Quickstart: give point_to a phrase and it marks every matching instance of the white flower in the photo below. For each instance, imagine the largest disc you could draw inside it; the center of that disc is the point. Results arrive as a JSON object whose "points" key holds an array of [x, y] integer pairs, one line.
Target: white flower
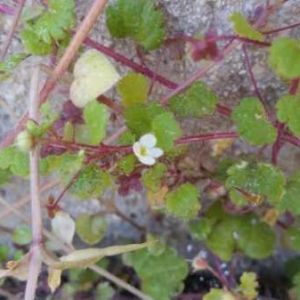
{"points": [[146, 151]]}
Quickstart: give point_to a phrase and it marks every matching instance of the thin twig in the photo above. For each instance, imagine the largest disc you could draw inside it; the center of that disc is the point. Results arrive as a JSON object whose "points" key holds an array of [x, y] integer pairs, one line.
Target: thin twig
{"points": [[198, 74], [23, 201], [12, 29], [4, 104], [36, 208], [129, 63], [281, 29], [115, 135], [206, 137], [253, 80]]}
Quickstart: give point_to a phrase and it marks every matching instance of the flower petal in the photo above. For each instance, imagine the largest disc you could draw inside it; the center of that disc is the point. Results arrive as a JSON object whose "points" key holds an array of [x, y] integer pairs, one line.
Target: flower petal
{"points": [[147, 160], [148, 140], [155, 152], [137, 149]]}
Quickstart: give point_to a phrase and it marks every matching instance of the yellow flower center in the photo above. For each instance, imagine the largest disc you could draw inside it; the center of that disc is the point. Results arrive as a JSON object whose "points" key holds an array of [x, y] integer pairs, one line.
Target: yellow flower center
{"points": [[144, 151]]}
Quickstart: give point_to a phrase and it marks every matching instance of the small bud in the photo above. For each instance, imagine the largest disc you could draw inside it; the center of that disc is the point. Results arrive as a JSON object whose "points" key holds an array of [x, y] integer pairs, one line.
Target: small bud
{"points": [[25, 141]]}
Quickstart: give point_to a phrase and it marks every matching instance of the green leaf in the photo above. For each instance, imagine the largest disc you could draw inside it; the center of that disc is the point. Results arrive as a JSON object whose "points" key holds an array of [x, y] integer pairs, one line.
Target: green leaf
{"points": [[67, 165], [200, 229], [255, 238], [22, 236], [284, 57], [166, 129], [196, 101], [248, 286], [258, 179], [244, 29], [139, 117], [105, 291], [91, 228], [167, 269], [82, 277], [18, 255], [252, 122], [32, 11], [288, 111], [4, 252], [20, 164], [293, 235], [218, 294], [56, 21], [296, 285], [290, 198], [137, 19], [7, 157], [95, 116], [90, 183], [5, 176], [51, 26], [246, 233], [127, 138], [9, 64], [34, 44], [133, 89], [220, 173], [183, 202], [221, 240], [127, 164], [151, 178]]}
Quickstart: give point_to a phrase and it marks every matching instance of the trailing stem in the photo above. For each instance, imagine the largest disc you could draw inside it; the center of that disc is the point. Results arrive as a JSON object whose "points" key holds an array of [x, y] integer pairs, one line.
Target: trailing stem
{"points": [[36, 210], [12, 29]]}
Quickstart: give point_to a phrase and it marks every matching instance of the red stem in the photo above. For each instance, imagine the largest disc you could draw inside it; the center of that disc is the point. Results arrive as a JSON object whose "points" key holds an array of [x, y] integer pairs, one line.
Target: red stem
{"points": [[291, 139], [198, 74], [253, 80], [205, 137], [142, 69], [191, 39], [130, 63], [282, 28]]}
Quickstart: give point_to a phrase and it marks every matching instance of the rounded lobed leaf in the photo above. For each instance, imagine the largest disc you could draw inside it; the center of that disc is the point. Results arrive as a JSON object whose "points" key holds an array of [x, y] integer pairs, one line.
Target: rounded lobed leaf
{"points": [[198, 100], [284, 57], [91, 228], [290, 198], [252, 122], [167, 269], [288, 111], [183, 202], [133, 89], [257, 179], [244, 29], [137, 19]]}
